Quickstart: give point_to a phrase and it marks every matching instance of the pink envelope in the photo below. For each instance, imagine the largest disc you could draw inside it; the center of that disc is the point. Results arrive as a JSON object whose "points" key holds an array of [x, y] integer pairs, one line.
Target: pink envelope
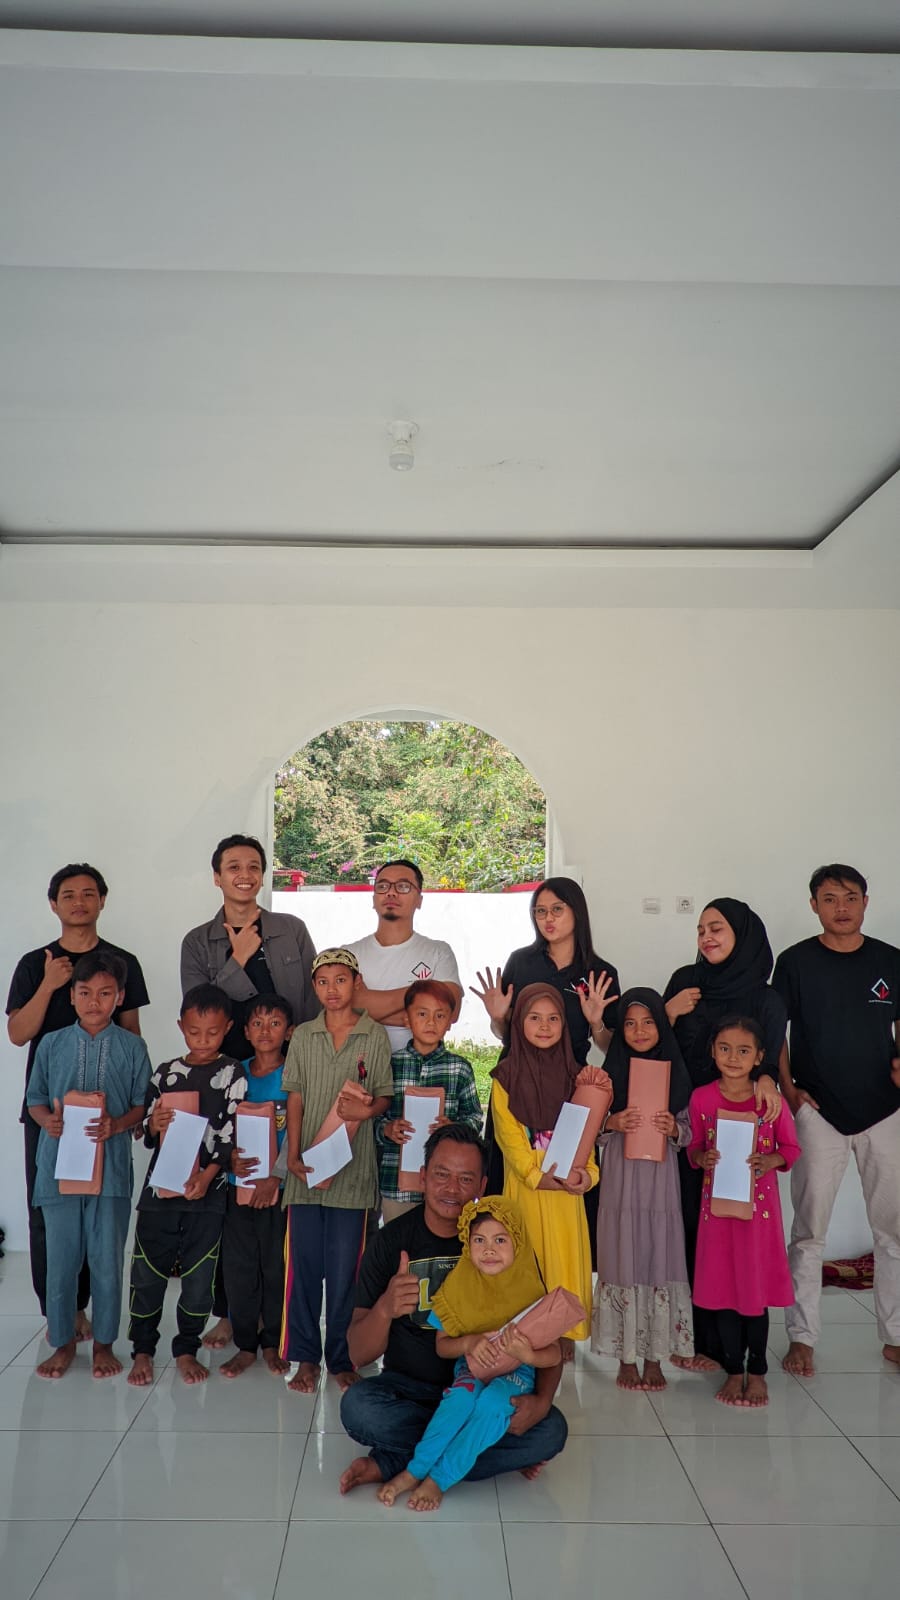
{"points": [[648, 1088], [94, 1184], [552, 1317]]}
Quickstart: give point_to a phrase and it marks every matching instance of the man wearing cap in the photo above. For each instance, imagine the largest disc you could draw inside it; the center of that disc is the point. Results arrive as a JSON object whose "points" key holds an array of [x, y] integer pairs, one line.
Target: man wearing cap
{"points": [[394, 956], [337, 1076]]}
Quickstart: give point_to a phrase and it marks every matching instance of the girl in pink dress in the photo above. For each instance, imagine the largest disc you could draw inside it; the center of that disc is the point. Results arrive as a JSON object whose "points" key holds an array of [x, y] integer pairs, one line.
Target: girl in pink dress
{"points": [[742, 1265]]}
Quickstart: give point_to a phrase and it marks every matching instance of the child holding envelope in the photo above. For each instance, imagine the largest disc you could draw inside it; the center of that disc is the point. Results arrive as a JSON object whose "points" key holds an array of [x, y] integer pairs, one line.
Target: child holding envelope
{"points": [[742, 1266], [423, 1064], [91, 1056], [253, 1236], [494, 1280], [326, 1225], [532, 1082], [185, 1229], [642, 1303]]}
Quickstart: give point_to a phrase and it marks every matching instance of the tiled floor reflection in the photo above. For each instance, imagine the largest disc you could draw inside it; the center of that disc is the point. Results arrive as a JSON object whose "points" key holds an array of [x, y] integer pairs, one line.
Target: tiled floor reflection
{"points": [[230, 1489]]}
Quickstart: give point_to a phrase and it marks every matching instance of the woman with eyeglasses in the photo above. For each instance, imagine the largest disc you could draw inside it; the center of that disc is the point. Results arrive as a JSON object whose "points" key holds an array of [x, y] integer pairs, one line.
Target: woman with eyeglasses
{"points": [[563, 955]]}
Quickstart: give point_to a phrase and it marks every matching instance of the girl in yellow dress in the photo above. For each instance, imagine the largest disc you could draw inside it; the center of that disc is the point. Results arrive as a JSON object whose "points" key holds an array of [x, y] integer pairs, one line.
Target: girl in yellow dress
{"points": [[531, 1083]]}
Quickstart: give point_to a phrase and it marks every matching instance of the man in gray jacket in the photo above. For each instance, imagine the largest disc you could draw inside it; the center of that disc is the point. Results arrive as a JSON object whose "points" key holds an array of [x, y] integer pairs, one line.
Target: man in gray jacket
{"points": [[246, 951]]}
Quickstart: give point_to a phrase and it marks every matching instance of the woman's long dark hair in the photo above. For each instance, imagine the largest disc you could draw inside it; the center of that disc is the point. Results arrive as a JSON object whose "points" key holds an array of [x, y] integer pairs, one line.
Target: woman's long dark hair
{"points": [[572, 895]]}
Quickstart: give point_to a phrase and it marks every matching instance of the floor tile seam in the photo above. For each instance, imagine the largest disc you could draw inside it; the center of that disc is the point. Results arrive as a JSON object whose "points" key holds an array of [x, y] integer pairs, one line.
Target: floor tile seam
{"points": [[104, 1469], [595, 1522], [287, 1531], [744, 1590], [300, 1467], [872, 1468], [503, 1545], [57, 1552]]}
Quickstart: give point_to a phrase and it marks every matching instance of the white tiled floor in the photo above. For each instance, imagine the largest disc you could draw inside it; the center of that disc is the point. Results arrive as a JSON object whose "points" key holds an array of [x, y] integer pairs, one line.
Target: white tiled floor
{"points": [[229, 1489]]}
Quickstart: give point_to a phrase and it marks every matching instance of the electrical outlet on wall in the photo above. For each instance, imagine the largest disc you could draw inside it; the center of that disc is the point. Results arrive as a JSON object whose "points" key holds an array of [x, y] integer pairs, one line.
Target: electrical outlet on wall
{"points": [[651, 906], [685, 904]]}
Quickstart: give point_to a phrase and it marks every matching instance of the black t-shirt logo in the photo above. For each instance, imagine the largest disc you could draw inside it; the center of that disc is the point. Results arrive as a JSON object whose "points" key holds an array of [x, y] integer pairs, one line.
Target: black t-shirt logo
{"points": [[881, 991]]}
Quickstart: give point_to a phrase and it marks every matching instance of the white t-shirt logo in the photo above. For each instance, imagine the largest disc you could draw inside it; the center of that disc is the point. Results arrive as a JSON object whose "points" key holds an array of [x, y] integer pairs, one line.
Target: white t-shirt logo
{"points": [[423, 970]]}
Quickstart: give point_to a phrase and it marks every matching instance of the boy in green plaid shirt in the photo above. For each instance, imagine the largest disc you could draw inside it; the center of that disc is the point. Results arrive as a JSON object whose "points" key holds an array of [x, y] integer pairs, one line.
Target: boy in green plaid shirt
{"points": [[424, 1064]]}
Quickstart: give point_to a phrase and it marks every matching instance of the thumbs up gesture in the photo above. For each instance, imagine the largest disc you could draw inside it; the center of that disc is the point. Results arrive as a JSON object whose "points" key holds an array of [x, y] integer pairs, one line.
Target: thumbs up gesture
{"points": [[402, 1293]]}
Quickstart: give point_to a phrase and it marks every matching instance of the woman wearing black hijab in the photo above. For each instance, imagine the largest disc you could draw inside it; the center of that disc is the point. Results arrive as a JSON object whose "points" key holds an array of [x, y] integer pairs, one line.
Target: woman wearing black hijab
{"points": [[730, 976]]}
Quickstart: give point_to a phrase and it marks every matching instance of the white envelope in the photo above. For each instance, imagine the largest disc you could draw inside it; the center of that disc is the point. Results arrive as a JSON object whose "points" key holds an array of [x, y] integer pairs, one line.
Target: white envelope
{"points": [[329, 1157], [565, 1139], [178, 1151], [75, 1152], [732, 1178]]}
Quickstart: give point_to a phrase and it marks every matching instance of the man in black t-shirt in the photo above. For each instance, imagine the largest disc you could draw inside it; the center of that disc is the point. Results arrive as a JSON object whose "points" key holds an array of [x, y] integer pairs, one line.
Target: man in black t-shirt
{"points": [[404, 1265], [841, 1080], [39, 1003]]}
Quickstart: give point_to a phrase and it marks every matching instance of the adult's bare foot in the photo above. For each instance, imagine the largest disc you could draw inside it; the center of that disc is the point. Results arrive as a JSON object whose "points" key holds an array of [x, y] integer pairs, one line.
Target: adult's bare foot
{"points": [[695, 1363], [345, 1380], [653, 1380], [389, 1491], [57, 1365], [190, 1369], [306, 1378], [533, 1472], [628, 1376], [275, 1364], [799, 1360], [106, 1364], [362, 1470], [83, 1329], [238, 1364], [756, 1390], [219, 1335], [891, 1352], [732, 1390], [427, 1497], [141, 1373]]}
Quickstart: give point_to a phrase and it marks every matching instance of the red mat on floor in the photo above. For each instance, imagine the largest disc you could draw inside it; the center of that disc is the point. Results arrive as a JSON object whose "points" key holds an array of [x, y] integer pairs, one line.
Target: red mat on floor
{"points": [[858, 1274]]}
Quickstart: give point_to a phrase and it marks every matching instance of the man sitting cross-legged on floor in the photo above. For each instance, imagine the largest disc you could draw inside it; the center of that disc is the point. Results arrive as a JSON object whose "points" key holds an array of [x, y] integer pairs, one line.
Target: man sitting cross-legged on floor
{"points": [[404, 1265]]}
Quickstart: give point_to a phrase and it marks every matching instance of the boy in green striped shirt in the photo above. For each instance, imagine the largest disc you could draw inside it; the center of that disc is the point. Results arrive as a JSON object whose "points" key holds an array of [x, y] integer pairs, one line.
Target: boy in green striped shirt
{"points": [[424, 1064]]}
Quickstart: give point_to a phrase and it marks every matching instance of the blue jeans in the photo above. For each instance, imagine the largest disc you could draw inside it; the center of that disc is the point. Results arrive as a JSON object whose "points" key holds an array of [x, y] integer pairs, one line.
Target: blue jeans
{"points": [[390, 1412]]}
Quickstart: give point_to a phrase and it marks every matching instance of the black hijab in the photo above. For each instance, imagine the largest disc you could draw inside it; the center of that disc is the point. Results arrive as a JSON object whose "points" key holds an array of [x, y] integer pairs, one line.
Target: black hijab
{"points": [[748, 967], [619, 1054]]}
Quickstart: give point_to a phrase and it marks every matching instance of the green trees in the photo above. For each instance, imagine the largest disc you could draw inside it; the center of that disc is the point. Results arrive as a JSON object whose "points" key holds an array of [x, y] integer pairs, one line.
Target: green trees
{"points": [[444, 793]]}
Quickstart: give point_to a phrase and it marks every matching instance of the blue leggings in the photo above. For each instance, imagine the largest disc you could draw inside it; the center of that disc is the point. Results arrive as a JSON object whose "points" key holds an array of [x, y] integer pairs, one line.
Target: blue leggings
{"points": [[470, 1418]]}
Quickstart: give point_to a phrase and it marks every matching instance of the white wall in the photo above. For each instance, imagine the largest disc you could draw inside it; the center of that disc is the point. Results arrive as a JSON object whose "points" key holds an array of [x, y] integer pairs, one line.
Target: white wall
{"points": [[683, 752]]}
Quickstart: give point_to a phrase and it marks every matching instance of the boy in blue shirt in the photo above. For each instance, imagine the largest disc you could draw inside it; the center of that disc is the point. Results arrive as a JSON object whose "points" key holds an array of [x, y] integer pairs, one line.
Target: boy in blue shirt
{"points": [[93, 1054], [253, 1238]]}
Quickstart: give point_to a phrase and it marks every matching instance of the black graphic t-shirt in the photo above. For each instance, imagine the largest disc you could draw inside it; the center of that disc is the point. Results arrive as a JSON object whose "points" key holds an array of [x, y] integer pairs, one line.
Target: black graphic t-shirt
{"points": [[411, 1342], [842, 1007]]}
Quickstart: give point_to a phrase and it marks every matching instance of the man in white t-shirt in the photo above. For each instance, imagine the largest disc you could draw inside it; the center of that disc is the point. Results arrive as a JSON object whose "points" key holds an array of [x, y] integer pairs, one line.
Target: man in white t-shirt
{"points": [[394, 956]]}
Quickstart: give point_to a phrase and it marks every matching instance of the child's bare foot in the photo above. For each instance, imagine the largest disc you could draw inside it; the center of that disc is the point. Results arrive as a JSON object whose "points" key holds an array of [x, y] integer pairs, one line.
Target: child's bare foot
{"points": [[362, 1470], [238, 1364], [653, 1377], [275, 1364], [695, 1363], [345, 1380], [427, 1497], [891, 1352], [533, 1472], [83, 1329], [141, 1373], [190, 1369], [567, 1348], [306, 1378], [628, 1376], [756, 1390], [106, 1365], [57, 1365], [799, 1360], [219, 1335], [389, 1491], [732, 1390]]}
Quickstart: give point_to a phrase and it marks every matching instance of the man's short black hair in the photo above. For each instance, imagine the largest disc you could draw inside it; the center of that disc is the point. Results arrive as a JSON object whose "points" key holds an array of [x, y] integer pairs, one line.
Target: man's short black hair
{"points": [[838, 872], [76, 869], [236, 841], [271, 1002], [96, 961], [457, 1133], [206, 997], [402, 862]]}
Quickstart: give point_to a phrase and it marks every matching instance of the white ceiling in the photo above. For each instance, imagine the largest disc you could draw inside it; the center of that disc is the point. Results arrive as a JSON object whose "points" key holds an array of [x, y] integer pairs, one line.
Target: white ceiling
{"points": [[631, 297]]}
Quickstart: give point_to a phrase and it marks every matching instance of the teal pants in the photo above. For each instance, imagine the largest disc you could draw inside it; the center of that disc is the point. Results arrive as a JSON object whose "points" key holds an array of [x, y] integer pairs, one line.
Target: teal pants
{"points": [[92, 1227]]}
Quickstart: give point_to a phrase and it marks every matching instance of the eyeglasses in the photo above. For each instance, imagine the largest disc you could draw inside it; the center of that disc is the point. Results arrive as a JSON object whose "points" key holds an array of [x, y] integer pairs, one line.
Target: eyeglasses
{"points": [[403, 887]]}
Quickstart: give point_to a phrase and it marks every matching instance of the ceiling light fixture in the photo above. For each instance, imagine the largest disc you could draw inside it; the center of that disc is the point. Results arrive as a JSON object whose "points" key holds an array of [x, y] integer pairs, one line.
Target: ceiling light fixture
{"points": [[402, 457]]}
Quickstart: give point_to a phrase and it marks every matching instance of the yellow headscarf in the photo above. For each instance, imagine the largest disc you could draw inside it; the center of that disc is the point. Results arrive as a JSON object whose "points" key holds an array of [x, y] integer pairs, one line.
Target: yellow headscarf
{"points": [[470, 1302]]}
